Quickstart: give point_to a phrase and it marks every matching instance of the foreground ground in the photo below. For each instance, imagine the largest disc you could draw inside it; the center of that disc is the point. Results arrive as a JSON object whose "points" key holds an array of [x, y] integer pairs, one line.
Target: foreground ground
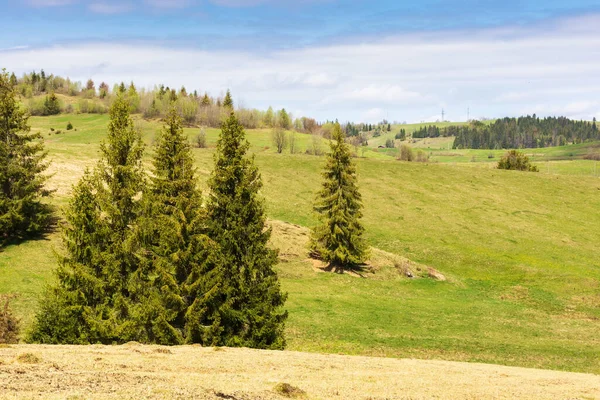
{"points": [[134, 371]]}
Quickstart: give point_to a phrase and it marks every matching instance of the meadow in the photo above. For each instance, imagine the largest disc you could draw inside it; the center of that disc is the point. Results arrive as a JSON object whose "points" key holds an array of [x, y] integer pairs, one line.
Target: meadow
{"points": [[519, 250]]}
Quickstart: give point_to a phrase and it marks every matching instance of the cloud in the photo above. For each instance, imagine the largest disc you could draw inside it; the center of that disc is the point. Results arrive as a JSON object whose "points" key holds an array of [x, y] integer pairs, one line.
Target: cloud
{"points": [[50, 3], [110, 8], [494, 73], [169, 3], [254, 3]]}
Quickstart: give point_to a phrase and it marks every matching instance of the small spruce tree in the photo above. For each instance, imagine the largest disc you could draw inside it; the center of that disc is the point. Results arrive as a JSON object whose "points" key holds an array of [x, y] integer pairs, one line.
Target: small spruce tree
{"points": [[51, 105], [228, 102], [338, 239], [22, 164], [248, 300]]}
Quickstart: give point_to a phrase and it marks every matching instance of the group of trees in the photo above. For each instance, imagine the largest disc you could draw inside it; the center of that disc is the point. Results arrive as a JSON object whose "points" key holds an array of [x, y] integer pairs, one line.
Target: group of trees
{"points": [[144, 259], [195, 108], [507, 133], [523, 132]]}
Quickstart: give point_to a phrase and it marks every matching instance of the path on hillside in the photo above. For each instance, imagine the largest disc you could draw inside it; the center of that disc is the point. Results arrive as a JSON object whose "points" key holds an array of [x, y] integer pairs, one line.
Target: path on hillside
{"points": [[134, 371]]}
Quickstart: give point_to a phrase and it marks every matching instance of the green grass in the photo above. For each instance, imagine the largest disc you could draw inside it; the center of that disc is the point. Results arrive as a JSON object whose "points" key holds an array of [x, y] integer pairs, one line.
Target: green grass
{"points": [[520, 250]]}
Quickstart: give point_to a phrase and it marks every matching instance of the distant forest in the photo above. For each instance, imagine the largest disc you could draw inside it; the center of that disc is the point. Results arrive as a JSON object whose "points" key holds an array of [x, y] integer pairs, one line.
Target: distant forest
{"points": [[510, 133]]}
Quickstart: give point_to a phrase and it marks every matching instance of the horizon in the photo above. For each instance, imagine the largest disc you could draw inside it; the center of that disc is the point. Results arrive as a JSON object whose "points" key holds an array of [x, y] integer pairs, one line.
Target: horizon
{"points": [[346, 60]]}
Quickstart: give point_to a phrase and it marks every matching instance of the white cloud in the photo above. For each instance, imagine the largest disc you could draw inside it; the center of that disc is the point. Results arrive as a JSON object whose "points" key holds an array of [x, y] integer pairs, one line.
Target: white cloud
{"points": [[110, 8], [548, 70], [50, 3]]}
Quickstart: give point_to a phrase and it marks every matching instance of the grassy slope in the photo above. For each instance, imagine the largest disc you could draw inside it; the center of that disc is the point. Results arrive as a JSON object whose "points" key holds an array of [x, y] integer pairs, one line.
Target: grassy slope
{"points": [[520, 250]]}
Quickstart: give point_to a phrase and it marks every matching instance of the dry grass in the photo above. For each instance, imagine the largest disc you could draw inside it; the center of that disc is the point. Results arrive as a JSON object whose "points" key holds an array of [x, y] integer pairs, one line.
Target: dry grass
{"points": [[136, 371]]}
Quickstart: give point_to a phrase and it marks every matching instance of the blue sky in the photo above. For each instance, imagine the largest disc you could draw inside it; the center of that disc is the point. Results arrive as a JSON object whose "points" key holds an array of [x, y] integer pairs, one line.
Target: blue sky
{"points": [[351, 60]]}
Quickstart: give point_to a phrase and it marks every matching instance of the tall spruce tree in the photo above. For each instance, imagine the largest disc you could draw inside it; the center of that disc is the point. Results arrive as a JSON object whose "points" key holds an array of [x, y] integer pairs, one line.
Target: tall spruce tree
{"points": [[175, 255], [247, 296], [338, 239], [22, 163], [91, 302]]}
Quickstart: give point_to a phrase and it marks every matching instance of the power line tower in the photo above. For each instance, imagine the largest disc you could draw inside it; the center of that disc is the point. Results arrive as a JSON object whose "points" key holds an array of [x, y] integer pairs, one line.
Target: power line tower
{"points": [[442, 115], [468, 114]]}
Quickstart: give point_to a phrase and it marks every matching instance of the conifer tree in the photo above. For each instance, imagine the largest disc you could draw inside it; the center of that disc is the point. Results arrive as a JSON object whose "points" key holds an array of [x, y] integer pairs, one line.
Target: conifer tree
{"points": [[91, 302], [51, 105], [175, 255], [247, 294], [338, 240], [22, 155], [228, 102], [284, 119]]}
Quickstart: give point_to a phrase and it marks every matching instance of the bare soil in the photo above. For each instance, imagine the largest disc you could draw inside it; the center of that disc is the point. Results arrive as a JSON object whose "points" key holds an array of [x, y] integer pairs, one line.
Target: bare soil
{"points": [[135, 371]]}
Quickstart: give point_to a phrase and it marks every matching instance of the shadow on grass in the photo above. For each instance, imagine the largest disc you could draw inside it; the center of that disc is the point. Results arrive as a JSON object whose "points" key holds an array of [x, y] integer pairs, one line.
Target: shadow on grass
{"points": [[356, 269], [51, 226]]}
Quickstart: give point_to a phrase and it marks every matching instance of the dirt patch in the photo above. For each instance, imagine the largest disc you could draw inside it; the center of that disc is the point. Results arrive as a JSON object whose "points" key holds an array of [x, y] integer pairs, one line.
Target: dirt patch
{"points": [[193, 372]]}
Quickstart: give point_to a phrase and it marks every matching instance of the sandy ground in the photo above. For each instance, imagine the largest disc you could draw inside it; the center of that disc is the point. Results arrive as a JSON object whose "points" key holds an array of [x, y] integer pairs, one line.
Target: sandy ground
{"points": [[134, 371]]}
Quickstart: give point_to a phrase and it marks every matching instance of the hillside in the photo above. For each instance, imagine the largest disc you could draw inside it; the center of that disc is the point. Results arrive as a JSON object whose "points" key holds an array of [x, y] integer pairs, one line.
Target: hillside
{"points": [[519, 251], [133, 371]]}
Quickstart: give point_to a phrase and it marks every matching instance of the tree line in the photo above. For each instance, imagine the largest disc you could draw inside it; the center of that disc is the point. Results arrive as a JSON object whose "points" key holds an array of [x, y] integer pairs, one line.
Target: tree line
{"points": [[40, 89], [145, 258], [522, 132], [526, 132]]}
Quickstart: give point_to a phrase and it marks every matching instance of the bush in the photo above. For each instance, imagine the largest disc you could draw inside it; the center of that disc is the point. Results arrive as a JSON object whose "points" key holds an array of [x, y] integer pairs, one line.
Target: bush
{"points": [[201, 140], [389, 143], [592, 156], [516, 160], [406, 153], [69, 126], [9, 324], [421, 156]]}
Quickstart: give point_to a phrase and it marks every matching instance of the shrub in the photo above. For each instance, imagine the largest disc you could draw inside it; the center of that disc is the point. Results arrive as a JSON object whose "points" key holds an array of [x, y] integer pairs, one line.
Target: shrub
{"points": [[592, 156], [406, 153], [516, 160], [201, 140], [491, 155], [69, 126], [9, 324], [389, 143], [279, 139], [421, 156]]}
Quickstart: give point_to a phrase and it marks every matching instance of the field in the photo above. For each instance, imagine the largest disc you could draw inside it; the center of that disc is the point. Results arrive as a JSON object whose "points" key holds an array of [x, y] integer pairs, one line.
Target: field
{"points": [[134, 371], [519, 251]]}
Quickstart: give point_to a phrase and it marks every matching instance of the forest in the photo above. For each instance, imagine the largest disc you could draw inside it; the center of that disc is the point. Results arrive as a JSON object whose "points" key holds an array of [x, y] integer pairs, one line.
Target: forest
{"points": [[523, 132]]}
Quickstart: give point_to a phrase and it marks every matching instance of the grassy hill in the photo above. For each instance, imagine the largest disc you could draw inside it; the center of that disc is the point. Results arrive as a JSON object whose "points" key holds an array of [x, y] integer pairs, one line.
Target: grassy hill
{"points": [[519, 251]]}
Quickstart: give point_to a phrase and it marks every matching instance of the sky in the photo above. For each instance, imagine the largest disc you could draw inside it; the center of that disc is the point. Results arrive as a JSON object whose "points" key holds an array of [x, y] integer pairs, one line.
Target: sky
{"points": [[351, 60]]}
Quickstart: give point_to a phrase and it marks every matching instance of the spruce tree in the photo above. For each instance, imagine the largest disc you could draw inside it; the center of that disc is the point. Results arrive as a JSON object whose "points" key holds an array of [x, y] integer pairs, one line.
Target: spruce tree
{"points": [[175, 255], [228, 102], [91, 302], [338, 239], [247, 297], [22, 163]]}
